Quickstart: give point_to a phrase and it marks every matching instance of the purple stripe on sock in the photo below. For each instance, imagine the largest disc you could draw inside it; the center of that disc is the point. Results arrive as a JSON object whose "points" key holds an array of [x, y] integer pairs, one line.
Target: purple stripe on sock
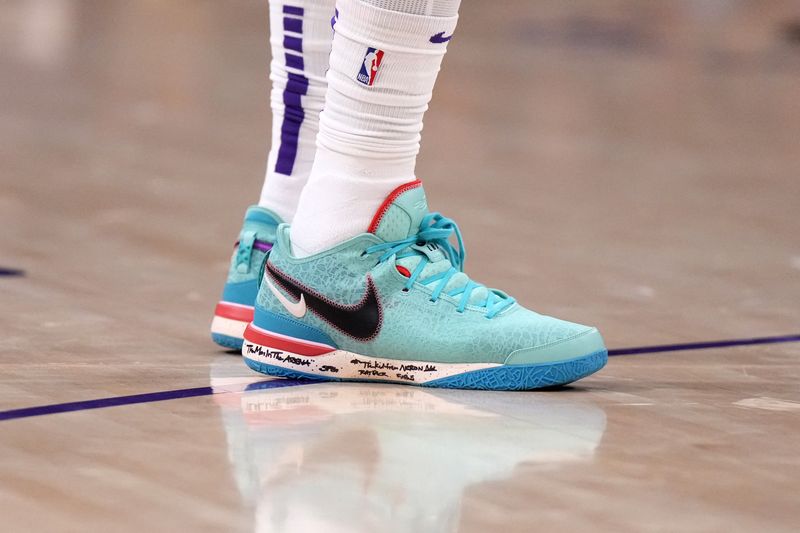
{"points": [[293, 10], [262, 246], [293, 43], [294, 61], [293, 116], [296, 88], [293, 25], [297, 84]]}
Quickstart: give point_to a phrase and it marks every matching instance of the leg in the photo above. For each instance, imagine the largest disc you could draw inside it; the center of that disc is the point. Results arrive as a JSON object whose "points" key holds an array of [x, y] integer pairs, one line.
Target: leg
{"points": [[300, 38], [367, 284], [384, 62], [301, 41]]}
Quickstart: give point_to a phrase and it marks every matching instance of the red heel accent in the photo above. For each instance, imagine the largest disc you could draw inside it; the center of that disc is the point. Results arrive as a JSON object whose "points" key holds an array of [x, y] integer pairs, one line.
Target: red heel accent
{"points": [[242, 313], [277, 341], [389, 200]]}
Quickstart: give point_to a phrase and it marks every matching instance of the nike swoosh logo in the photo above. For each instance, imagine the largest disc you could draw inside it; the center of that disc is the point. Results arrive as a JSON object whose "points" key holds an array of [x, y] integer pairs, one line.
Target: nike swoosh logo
{"points": [[297, 309], [361, 320], [440, 38]]}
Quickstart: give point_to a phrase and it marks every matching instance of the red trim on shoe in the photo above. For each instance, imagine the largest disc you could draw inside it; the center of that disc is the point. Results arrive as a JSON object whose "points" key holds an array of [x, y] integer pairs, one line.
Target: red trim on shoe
{"points": [[376, 220], [242, 313], [403, 270], [277, 341]]}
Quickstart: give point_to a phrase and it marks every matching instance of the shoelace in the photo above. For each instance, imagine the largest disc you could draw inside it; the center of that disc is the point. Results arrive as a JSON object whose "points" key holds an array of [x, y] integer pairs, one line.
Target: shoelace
{"points": [[437, 229]]}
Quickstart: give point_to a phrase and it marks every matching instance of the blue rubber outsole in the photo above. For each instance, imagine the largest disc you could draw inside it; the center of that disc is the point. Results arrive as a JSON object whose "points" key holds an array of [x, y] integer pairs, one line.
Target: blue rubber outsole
{"points": [[227, 341], [506, 377]]}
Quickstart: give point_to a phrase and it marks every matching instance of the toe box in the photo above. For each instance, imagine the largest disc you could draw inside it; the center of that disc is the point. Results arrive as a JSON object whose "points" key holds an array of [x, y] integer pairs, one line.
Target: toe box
{"points": [[571, 341]]}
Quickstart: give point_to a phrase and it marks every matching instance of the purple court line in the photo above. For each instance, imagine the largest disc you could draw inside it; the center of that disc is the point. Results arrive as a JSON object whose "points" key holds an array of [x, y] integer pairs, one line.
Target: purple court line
{"points": [[149, 397], [161, 396], [704, 345], [5, 271]]}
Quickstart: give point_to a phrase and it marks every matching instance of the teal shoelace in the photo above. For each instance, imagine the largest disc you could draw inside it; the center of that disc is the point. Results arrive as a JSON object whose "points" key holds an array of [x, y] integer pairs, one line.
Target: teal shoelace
{"points": [[436, 229]]}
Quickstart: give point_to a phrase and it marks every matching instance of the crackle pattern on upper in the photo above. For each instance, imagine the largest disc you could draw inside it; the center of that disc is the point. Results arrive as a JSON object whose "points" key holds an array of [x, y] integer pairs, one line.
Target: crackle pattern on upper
{"points": [[413, 327], [395, 224]]}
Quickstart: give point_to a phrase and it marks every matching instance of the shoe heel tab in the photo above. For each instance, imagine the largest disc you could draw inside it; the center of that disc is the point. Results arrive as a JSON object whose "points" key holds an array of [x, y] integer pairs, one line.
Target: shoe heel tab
{"points": [[261, 215], [283, 239], [261, 221]]}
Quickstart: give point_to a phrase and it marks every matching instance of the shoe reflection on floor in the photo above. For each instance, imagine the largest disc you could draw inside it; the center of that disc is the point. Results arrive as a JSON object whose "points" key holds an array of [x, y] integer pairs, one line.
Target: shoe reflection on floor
{"points": [[371, 457]]}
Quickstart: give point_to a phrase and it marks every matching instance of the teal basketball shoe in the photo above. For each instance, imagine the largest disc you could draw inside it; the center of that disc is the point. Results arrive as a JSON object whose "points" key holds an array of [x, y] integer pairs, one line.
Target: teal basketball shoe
{"points": [[235, 309], [394, 305]]}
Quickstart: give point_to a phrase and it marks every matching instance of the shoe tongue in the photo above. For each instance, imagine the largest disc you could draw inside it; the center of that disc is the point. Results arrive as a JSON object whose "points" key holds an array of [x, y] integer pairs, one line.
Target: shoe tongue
{"points": [[401, 213], [399, 217]]}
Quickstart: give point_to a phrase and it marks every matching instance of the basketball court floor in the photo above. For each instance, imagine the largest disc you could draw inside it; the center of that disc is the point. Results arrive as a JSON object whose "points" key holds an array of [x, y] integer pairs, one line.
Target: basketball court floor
{"points": [[630, 165]]}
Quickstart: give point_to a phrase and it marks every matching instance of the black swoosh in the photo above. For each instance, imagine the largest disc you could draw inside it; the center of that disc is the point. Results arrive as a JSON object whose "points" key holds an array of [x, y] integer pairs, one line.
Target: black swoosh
{"points": [[362, 320]]}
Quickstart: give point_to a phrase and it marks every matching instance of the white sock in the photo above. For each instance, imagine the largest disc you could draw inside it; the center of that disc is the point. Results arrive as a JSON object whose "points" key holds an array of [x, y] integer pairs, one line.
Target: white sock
{"points": [[300, 38], [383, 67]]}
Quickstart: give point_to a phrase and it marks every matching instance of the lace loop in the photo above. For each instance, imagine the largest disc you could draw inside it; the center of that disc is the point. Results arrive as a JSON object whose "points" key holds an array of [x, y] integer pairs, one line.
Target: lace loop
{"points": [[437, 229]]}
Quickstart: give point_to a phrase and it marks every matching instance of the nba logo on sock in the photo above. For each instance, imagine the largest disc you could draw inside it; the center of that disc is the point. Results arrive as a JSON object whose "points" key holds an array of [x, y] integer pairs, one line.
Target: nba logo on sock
{"points": [[369, 68]]}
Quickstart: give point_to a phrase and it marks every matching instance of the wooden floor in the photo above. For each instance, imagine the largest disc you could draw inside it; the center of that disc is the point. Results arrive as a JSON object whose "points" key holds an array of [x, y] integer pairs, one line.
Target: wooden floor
{"points": [[632, 165]]}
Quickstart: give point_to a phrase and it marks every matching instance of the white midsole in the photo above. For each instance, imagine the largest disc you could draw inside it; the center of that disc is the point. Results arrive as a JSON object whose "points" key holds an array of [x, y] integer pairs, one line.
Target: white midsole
{"points": [[342, 364], [228, 326]]}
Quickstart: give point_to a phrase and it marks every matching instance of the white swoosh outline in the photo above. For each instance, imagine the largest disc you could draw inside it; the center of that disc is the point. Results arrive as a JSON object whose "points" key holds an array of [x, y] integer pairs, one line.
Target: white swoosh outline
{"points": [[297, 309]]}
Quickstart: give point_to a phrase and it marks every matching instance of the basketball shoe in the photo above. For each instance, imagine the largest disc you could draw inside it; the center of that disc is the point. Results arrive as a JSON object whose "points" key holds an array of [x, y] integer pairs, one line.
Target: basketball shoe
{"points": [[393, 305], [235, 309]]}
